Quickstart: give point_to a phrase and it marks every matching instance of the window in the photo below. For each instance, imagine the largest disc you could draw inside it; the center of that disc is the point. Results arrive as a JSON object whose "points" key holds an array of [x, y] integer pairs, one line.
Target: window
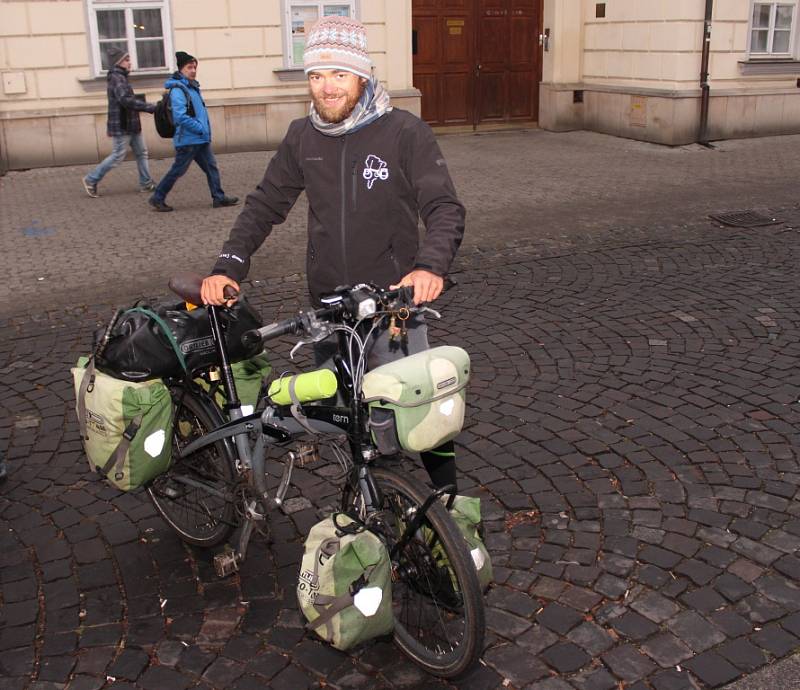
{"points": [[772, 29], [139, 27], [301, 15]]}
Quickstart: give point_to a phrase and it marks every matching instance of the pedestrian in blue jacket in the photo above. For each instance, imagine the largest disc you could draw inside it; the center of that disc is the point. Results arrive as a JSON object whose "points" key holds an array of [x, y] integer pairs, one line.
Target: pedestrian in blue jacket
{"points": [[123, 125], [192, 138]]}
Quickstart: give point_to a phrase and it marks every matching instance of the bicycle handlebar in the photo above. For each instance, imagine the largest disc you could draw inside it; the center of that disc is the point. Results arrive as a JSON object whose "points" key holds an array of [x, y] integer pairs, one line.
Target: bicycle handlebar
{"points": [[348, 302]]}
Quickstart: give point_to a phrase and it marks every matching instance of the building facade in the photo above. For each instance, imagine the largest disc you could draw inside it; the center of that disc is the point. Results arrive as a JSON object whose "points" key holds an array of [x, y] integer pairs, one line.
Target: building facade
{"points": [[52, 66], [633, 68], [625, 67]]}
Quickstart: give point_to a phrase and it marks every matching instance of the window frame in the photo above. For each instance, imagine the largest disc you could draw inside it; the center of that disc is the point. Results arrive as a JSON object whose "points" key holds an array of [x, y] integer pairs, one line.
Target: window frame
{"points": [[128, 6], [769, 54], [355, 7]]}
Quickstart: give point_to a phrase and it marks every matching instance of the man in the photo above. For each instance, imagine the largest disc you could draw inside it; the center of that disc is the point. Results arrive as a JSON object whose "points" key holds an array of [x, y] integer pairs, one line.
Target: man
{"points": [[369, 172], [192, 138], [123, 125]]}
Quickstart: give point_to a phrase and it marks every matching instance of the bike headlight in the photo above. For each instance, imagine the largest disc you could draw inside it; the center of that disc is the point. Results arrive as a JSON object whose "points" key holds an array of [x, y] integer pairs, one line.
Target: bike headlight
{"points": [[367, 307]]}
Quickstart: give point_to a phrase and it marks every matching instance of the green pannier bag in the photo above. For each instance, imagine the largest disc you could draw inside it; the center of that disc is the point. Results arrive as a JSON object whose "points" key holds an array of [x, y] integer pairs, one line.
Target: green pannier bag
{"points": [[344, 588], [126, 426], [248, 375], [466, 513], [417, 403]]}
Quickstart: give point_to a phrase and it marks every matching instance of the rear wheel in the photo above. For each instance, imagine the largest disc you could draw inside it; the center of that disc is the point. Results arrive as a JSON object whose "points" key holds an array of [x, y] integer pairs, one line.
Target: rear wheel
{"points": [[190, 496], [437, 601]]}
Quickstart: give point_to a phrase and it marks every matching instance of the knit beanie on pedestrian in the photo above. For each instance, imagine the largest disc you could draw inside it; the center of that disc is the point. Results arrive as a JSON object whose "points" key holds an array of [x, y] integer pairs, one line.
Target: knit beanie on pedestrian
{"points": [[337, 43], [184, 59], [116, 55]]}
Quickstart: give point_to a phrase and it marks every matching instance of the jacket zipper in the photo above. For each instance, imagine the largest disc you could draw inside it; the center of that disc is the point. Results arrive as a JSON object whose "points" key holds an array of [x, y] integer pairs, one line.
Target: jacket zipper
{"points": [[344, 209], [355, 185]]}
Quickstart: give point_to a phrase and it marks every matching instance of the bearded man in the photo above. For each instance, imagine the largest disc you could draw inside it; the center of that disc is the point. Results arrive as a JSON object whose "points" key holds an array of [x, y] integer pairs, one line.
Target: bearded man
{"points": [[370, 172]]}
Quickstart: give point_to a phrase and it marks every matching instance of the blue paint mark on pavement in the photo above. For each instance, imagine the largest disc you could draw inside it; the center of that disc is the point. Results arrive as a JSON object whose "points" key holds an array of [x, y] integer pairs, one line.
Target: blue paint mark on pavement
{"points": [[36, 230]]}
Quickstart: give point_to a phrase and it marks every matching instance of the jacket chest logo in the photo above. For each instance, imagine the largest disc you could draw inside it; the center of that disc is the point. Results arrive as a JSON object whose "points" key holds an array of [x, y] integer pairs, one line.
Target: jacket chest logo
{"points": [[374, 169]]}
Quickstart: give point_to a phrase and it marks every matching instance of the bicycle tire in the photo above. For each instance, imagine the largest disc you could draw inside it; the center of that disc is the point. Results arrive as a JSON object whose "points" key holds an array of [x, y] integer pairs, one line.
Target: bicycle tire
{"points": [[197, 516], [424, 623]]}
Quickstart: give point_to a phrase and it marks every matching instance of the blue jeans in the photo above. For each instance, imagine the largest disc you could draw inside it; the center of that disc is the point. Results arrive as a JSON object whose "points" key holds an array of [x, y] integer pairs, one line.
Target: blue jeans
{"points": [[117, 155], [184, 155]]}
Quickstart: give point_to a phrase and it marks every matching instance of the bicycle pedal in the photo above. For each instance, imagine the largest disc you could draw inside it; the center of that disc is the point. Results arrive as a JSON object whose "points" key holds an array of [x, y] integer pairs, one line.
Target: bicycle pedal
{"points": [[226, 563], [307, 452]]}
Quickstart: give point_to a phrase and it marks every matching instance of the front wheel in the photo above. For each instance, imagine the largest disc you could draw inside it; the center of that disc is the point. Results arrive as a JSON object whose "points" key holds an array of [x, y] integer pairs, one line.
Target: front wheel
{"points": [[190, 495], [436, 597]]}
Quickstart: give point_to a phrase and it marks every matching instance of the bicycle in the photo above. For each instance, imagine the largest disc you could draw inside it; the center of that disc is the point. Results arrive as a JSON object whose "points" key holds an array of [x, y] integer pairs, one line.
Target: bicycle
{"points": [[217, 479]]}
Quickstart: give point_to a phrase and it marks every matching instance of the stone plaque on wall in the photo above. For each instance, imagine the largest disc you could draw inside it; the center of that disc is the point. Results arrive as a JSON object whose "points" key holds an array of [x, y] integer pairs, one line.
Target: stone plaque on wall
{"points": [[638, 113]]}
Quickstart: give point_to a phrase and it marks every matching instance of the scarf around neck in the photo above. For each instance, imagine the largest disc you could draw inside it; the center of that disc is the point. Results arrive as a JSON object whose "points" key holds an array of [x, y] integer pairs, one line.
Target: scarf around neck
{"points": [[373, 103]]}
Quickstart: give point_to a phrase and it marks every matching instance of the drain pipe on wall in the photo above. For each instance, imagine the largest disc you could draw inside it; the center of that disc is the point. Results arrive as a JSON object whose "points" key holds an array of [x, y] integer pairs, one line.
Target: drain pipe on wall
{"points": [[704, 86]]}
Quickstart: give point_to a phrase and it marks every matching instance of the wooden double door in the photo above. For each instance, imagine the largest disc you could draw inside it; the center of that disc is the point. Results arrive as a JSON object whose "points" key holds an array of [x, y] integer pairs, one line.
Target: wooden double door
{"points": [[477, 61]]}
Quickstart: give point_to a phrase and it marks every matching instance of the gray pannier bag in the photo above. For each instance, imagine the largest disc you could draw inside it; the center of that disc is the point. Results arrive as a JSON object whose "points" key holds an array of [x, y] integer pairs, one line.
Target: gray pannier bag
{"points": [[417, 403], [345, 584]]}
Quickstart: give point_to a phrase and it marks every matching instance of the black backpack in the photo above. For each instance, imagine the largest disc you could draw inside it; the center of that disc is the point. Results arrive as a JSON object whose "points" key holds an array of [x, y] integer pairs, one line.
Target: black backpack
{"points": [[162, 116]]}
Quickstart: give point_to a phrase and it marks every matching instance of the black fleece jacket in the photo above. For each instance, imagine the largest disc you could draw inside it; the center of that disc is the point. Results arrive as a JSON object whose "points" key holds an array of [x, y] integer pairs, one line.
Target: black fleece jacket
{"points": [[366, 192]]}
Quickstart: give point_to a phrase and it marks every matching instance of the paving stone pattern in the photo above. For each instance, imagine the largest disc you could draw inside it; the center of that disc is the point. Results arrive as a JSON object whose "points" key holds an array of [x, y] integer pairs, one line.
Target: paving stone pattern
{"points": [[632, 430]]}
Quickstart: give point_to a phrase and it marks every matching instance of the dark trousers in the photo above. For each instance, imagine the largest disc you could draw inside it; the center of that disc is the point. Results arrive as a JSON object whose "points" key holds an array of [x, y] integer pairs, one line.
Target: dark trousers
{"points": [[184, 155]]}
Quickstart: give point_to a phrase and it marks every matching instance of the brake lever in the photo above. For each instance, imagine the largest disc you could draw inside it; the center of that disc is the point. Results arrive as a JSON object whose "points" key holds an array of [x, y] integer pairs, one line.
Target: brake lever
{"points": [[428, 310], [315, 329]]}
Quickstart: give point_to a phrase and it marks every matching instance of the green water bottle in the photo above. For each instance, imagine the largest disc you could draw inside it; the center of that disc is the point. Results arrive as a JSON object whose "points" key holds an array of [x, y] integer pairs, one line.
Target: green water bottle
{"points": [[313, 385]]}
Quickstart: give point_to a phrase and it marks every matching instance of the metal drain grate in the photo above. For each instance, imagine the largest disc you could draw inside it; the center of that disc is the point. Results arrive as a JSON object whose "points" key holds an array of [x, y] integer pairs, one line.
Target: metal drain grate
{"points": [[743, 219]]}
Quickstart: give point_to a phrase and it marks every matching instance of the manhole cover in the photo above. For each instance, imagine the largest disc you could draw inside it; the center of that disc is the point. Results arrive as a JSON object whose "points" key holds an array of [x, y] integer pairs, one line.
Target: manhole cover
{"points": [[744, 219]]}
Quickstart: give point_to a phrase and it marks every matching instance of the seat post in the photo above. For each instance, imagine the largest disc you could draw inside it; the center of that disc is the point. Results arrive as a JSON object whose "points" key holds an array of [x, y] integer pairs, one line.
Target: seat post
{"points": [[222, 354]]}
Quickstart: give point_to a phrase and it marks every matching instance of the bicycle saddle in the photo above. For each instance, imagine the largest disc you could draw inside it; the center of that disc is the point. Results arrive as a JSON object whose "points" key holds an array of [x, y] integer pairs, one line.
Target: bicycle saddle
{"points": [[187, 286]]}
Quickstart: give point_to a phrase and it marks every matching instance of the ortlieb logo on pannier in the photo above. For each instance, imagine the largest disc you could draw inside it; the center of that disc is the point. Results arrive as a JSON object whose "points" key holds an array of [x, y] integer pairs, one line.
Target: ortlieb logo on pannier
{"points": [[126, 427], [417, 403], [344, 585]]}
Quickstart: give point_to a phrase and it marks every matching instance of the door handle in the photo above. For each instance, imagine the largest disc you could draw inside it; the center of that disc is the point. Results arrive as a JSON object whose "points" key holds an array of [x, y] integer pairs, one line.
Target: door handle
{"points": [[544, 40]]}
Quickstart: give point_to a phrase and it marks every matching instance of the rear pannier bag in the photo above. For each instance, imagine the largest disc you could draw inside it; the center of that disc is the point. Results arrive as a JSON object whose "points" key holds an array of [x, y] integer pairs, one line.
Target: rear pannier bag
{"points": [[126, 427], [164, 341], [417, 403], [344, 588]]}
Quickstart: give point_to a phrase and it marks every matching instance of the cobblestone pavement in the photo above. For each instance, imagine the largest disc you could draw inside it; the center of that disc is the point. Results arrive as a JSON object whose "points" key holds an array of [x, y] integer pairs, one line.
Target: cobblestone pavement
{"points": [[632, 429]]}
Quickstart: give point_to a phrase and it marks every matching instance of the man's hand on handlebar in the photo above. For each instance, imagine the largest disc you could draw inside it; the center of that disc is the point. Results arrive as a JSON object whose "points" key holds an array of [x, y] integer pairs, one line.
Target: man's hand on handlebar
{"points": [[427, 286], [219, 290]]}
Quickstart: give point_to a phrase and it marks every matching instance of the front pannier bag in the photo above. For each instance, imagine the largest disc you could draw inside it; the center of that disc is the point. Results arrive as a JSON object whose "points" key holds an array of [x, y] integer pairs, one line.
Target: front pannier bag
{"points": [[417, 403], [344, 588], [126, 427]]}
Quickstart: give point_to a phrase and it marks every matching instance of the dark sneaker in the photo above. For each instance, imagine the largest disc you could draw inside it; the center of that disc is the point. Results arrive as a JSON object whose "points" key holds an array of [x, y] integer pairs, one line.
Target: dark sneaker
{"points": [[91, 189], [149, 187], [226, 201], [159, 205]]}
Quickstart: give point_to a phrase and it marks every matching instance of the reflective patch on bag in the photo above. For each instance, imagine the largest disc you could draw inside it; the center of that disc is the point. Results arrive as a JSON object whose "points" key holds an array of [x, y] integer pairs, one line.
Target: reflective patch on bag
{"points": [[477, 558], [154, 443], [368, 600]]}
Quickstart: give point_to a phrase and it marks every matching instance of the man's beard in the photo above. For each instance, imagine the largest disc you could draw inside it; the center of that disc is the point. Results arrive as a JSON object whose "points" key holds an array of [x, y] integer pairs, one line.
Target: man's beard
{"points": [[335, 116]]}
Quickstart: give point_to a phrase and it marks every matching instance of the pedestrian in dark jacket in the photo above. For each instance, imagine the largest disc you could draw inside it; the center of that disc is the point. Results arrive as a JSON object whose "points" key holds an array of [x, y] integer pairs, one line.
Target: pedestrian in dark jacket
{"points": [[192, 138], [123, 125], [370, 172]]}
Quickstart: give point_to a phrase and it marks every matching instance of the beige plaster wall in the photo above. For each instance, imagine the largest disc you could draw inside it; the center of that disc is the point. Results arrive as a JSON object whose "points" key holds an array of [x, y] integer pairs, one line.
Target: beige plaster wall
{"points": [[637, 72], [239, 44], [52, 109]]}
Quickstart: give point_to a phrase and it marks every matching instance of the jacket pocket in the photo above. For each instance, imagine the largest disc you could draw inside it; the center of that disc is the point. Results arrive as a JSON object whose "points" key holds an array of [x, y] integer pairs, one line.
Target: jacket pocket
{"points": [[395, 263]]}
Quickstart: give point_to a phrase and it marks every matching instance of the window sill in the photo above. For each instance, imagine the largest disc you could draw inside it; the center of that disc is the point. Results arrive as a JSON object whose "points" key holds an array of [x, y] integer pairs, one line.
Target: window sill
{"points": [[762, 66], [290, 74], [141, 79]]}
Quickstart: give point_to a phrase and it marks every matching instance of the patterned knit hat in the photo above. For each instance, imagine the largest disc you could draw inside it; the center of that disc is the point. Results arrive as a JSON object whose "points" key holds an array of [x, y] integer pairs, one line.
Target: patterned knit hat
{"points": [[338, 43]]}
